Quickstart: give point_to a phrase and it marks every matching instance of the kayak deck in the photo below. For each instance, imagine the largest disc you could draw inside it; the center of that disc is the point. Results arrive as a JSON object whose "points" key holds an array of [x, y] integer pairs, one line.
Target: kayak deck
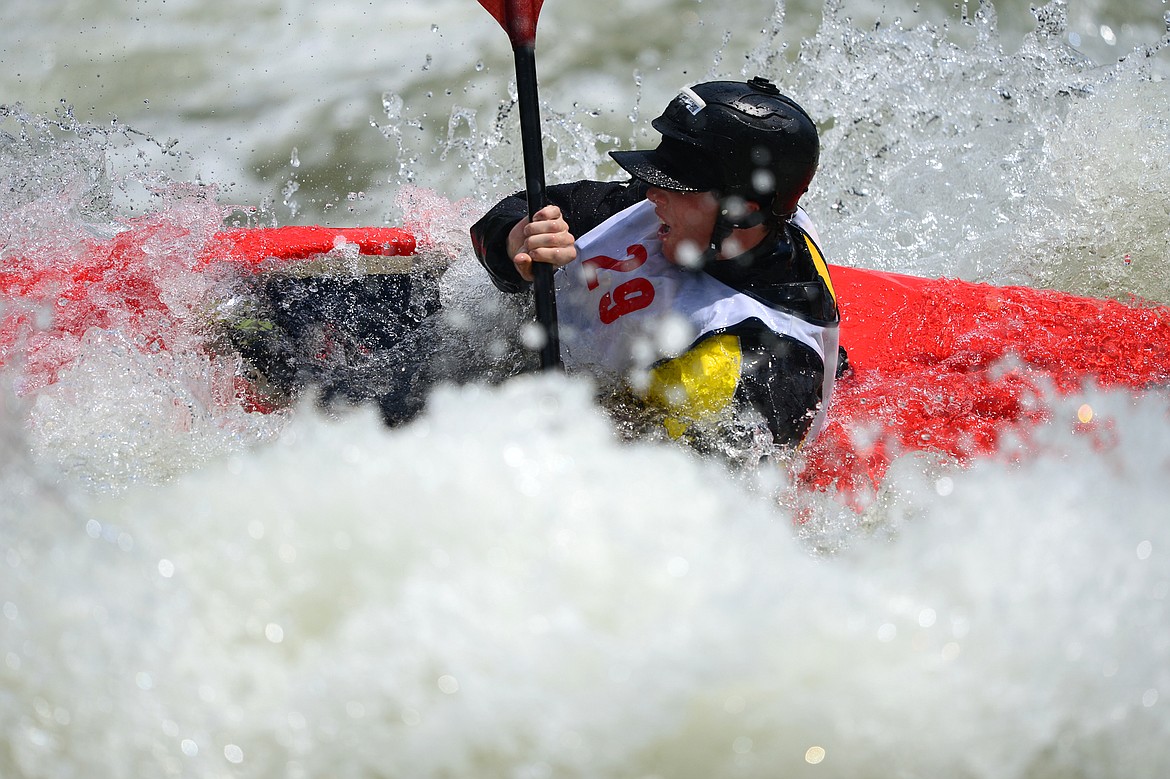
{"points": [[961, 368]]}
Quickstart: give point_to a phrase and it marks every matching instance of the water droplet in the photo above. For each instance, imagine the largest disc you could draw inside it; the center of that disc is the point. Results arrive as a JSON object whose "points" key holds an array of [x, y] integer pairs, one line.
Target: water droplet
{"points": [[532, 335]]}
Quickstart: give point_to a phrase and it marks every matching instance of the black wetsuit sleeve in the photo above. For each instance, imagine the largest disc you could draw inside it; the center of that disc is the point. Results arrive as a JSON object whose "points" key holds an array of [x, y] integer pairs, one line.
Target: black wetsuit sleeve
{"points": [[585, 204], [781, 378]]}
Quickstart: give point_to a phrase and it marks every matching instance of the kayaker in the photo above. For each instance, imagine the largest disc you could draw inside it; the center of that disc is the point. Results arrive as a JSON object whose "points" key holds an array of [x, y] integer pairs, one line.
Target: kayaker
{"points": [[708, 240]]}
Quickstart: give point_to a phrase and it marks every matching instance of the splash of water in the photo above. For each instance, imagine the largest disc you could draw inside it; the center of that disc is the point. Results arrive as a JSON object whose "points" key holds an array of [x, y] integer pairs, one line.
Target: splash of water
{"points": [[358, 610], [1033, 166], [107, 317], [502, 588]]}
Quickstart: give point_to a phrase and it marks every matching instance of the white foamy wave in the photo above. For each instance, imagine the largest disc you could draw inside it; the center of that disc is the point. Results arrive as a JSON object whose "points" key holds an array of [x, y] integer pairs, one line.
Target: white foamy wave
{"points": [[119, 416], [976, 160], [500, 588], [536, 599]]}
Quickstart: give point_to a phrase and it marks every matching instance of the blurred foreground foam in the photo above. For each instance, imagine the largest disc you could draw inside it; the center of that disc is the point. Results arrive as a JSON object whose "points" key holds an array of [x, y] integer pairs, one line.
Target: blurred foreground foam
{"points": [[502, 589]]}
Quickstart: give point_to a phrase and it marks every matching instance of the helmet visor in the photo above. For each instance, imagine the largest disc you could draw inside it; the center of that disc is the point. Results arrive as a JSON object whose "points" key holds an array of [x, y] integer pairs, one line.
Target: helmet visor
{"points": [[674, 165]]}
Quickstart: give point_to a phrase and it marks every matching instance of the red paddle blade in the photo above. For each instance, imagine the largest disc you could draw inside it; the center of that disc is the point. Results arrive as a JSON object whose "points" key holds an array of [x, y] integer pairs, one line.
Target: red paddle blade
{"points": [[517, 17]]}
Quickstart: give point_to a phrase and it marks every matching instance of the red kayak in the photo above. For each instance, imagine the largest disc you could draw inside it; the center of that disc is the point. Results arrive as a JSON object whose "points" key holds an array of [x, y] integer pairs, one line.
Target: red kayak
{"points": [[936, 365], [962, 368], [121, 283]]}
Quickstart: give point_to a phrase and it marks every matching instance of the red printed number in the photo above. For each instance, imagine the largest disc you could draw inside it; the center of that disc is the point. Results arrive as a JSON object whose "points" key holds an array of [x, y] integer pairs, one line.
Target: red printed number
{"points": [[601, 262], [627, 297]]}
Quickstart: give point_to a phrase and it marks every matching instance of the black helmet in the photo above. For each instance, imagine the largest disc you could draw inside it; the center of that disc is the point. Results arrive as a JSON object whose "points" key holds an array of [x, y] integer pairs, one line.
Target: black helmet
{"points": [[740, 139]]}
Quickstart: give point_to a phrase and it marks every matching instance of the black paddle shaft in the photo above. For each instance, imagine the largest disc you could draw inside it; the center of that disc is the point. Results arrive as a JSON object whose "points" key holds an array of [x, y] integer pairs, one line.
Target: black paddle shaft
{"points": [[530, 137]]}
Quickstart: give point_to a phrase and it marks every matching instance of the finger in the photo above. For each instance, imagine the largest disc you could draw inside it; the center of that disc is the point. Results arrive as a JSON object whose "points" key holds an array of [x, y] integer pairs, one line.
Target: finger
{"points": [[548, 220], [547, 241], [549, 213], [556, 256], [548, 227], [523, 263]]}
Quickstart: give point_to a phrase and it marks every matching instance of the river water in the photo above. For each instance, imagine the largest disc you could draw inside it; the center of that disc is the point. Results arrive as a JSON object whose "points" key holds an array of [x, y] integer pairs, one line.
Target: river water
{"points": [[502, 588]]}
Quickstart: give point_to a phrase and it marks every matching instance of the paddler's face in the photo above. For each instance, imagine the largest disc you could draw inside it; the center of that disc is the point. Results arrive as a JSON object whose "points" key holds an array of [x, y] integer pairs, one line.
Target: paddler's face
{"points": [[688, 219]]}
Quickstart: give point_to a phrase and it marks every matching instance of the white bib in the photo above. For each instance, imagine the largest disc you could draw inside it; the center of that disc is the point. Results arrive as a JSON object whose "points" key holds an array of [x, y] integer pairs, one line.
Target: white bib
{"points": [[622, 306]]}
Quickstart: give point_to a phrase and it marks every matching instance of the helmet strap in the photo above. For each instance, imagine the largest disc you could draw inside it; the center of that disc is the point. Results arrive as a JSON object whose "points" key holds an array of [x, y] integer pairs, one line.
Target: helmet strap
{"points": [[720, 233], [730, 218], [733, 209]]}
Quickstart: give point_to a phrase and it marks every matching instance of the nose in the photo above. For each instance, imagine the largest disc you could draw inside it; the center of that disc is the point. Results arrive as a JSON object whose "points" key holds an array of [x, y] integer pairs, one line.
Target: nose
{"points": [[656, 195]]}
